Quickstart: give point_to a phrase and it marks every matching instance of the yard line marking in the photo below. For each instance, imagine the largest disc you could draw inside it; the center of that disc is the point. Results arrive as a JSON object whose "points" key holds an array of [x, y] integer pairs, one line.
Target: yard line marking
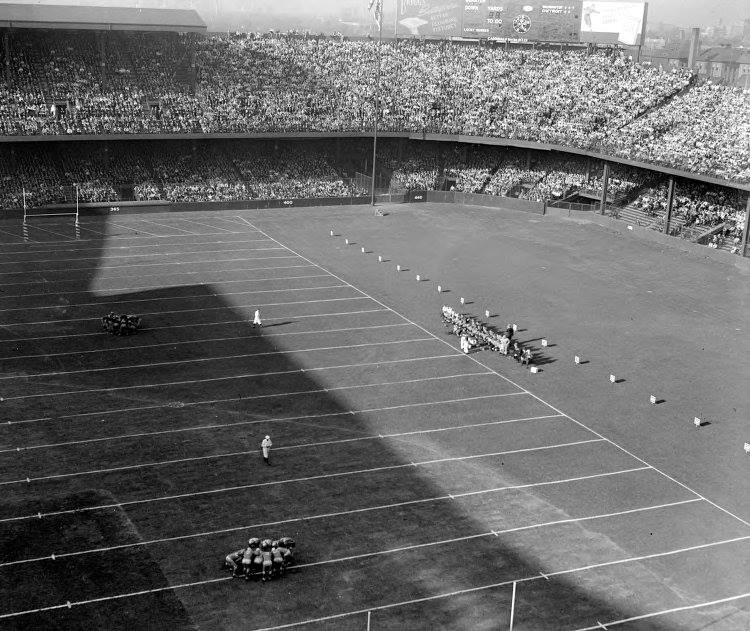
{"points": [[512, 605], [124, 247], [394, 605], [196, 360], [188, 297], [130, 238], [215, 339], [513, 383], [233, 377], [205, 225], [177, 286], [196, 325], [70, 271], [242, 487], [200, 428], [20, 238], [435, 499], [163, 225], [340, 441], [137, 232], [644, 616], [150, 313], [108, 278], [102, 235]]}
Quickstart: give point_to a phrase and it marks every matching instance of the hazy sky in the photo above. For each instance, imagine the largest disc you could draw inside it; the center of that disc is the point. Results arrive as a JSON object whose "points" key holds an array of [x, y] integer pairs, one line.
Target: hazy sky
{"points": [[680, 12]]}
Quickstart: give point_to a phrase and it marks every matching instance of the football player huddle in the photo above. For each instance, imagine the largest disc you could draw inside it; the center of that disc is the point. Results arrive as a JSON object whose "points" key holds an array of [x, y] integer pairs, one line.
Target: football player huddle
{"points": [[116, 324], [266, 558]]}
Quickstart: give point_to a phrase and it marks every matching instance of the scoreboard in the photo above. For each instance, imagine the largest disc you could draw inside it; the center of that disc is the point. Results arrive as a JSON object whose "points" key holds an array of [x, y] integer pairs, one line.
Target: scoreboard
{"points": [[563, 21], [522, 20]]}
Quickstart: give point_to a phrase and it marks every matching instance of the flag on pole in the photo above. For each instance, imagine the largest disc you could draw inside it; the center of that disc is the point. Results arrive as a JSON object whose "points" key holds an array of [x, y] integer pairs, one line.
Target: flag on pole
{"points": [[376, 9]]}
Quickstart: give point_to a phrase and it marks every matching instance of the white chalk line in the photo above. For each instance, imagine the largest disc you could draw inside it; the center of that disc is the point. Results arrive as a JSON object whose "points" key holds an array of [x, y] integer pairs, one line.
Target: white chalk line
{"points": [[242, 487], [355, 511], [510, 381], [213, 295], [664, 612], [266, 334], [199, 223], [184, 382], [196, 325], [199, 360], [114, 296], [21, 241], [160, 275], [88, 249], [136, 231], [110, 257], [71, 270], [215, 426], [199, 310], [394, 605], [163, 225], [507, 583], [340, 441]]}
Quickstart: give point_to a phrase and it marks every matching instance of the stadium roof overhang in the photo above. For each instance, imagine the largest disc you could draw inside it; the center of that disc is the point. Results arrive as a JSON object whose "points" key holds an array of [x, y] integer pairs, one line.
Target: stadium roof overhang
{"points": [[62, 17]]}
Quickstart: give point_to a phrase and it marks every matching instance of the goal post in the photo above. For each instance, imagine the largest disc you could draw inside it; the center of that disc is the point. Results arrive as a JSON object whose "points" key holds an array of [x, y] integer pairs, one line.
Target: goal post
{"points": [[31, 212]]}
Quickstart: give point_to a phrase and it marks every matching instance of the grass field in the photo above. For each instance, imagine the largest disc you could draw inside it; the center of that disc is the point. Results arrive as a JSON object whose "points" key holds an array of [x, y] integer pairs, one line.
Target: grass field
{"points": [[425, 488]]}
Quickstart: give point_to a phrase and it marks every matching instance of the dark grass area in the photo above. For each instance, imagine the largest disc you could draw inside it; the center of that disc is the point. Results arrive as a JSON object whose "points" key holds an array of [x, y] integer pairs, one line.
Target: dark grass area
{"points": [[417, 482]]}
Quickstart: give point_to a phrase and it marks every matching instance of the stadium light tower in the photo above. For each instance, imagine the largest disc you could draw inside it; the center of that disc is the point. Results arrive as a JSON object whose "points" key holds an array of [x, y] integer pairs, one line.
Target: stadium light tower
{"points": [[376, 7]]}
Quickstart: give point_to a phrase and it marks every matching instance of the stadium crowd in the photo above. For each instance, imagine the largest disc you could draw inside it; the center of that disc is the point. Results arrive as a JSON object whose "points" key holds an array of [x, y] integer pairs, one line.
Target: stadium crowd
{"points": [[285, 83], [223, 170]]}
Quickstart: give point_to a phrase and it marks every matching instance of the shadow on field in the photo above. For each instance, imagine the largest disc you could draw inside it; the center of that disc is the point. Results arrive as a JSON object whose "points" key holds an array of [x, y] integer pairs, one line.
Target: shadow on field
{"points": [[163, 446]]}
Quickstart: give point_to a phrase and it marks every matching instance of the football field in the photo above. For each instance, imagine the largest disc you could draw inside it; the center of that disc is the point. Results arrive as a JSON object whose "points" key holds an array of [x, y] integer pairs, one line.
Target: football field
{"points": [[425, 488]]}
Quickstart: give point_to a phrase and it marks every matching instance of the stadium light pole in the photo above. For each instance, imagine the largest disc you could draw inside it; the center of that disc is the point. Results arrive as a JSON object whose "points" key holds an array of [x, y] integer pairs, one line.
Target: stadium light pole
{"points": [[378, 4]]}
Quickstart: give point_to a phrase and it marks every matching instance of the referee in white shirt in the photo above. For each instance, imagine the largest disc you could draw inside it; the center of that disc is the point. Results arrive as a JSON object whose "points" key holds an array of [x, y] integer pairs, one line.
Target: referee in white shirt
{"points": [[265, 447]]}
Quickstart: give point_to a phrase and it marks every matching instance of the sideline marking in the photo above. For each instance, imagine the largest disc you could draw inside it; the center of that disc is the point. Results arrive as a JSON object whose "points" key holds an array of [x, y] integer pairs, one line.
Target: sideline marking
{"points": [[240, 487], [510, 381]]}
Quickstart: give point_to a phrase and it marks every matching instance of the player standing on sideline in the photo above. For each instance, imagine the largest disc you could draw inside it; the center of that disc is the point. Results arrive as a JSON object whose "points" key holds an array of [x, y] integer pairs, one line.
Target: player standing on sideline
{"points": [[265, 447], [256, 319]]}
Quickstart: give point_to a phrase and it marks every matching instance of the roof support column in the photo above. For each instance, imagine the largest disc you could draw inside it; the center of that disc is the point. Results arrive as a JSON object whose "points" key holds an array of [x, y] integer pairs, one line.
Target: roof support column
{"points": [[746, 229], [605, 187], [670, 206], [103, 54], [6, 51]]}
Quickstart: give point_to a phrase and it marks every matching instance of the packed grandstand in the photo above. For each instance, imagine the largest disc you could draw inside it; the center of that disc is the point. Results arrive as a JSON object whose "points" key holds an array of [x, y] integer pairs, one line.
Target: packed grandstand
{"points": [[168, 83]]}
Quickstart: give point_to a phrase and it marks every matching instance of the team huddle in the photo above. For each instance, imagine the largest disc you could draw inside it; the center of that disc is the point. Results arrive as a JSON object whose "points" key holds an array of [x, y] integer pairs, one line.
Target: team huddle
{"points": [[116, 324], [265, 558]]}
